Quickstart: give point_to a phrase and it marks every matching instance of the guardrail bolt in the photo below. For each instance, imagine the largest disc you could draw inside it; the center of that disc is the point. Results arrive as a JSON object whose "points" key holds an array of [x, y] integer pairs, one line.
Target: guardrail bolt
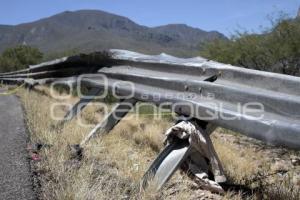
{"points": [[186, 88]]}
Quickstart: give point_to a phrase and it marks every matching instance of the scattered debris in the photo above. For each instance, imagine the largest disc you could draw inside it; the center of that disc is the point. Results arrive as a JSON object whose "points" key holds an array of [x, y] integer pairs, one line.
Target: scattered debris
{"points": [[35, 157], [280, 165], [36, 147], [295, 160], [34, 150]]}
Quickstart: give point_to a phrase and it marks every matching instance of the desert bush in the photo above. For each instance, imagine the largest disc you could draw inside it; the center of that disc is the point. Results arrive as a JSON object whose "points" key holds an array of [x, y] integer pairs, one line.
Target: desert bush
{"points": [[19, 57], [276, 50]]}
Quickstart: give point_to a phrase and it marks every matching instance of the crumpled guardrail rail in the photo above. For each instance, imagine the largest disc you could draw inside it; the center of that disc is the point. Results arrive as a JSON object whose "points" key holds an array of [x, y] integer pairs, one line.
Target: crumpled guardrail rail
{"points": [[174, 79]]}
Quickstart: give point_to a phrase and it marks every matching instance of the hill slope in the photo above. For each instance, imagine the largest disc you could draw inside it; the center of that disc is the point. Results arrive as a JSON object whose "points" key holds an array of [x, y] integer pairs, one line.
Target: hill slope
{"points": [[90, 30]]}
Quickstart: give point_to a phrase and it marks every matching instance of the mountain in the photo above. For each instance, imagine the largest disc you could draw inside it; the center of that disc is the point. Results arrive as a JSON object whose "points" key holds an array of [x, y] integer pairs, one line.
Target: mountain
{"points": [[90, 30]]}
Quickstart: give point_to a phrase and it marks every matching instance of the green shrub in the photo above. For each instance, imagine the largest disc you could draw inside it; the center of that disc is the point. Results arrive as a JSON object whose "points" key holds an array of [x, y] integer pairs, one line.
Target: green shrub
{"points": [[19, 57], [276, 50]]}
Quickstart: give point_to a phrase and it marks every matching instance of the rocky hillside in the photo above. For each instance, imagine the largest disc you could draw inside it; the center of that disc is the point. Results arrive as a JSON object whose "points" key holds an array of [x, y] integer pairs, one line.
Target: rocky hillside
{"points": [[89, 30]]}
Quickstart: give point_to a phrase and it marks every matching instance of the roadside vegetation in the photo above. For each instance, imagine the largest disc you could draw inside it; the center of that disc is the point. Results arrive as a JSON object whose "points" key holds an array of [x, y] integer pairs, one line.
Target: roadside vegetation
{"points": [[19, 57], [112, 165], [276, 50]]}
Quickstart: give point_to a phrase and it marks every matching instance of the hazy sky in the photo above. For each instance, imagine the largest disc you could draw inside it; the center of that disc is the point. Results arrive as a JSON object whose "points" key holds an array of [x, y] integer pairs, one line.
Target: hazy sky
{"points": [[221, 15]]}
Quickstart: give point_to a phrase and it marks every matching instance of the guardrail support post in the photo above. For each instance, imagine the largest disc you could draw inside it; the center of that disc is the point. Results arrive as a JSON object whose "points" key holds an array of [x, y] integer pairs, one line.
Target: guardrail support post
{"points": [[79, 106], [190, 148], [112, 119]]}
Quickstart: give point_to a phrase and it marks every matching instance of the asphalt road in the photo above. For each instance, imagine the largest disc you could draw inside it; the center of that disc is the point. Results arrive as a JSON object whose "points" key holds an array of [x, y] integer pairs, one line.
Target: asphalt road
{"points": [[15, 175]]}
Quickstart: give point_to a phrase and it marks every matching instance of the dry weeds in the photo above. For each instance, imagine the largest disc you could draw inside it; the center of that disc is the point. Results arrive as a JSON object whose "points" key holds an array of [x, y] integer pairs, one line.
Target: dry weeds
{"points": [[113, 164]]}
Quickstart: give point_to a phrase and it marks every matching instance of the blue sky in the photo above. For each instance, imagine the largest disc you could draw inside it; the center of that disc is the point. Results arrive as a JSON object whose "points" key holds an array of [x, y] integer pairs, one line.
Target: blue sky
{"points": [[221, 15]]}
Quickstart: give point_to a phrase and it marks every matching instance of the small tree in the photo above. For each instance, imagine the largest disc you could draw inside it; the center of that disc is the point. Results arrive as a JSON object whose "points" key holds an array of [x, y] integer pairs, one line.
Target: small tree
{"points": [[19, 57], [276, 50]]}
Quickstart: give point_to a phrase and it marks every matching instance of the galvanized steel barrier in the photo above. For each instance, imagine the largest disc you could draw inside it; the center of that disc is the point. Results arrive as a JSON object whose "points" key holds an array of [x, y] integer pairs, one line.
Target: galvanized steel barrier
{"points": [[196, 88]]}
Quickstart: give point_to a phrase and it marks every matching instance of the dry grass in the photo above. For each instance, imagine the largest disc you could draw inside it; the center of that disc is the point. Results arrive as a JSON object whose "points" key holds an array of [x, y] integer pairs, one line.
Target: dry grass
{"points": [[240, 163], [113, 164], [253, 169]]}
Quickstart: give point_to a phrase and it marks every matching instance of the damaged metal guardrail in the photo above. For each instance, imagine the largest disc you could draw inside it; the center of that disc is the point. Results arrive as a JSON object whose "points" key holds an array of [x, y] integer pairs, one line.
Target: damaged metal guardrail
{"points": [[262, 105]]}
